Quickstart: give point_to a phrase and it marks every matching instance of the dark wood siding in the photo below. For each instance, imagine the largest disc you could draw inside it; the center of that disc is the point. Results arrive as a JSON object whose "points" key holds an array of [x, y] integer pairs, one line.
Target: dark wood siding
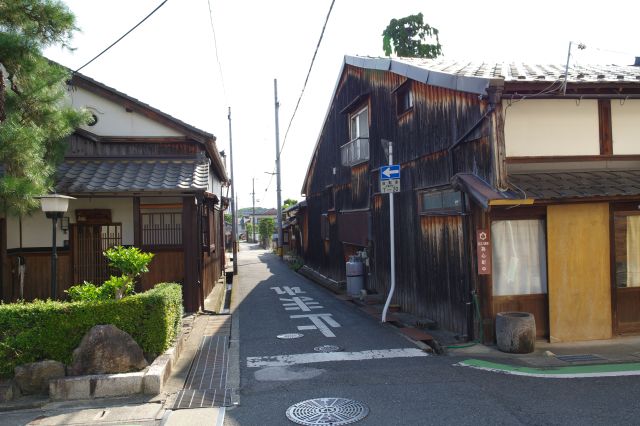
{"points": [[443, 134], [37, 281], [166, 266], [80, 146]]}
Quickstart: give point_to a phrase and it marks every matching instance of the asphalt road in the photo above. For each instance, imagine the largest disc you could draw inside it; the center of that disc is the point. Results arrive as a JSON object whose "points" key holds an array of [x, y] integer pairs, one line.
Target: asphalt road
{"points": [[410, 390]]}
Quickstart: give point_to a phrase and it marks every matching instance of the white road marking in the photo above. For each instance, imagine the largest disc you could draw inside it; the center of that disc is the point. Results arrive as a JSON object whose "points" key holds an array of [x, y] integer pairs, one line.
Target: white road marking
{"points": [[291, 291], [304, 304], [319, 321], [311, 358]]}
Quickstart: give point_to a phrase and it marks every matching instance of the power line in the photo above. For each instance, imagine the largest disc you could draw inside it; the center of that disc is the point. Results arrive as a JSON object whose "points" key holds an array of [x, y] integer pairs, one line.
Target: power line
{"points": [[284, 141], [215, 45], [123, 36], [304, 86]]}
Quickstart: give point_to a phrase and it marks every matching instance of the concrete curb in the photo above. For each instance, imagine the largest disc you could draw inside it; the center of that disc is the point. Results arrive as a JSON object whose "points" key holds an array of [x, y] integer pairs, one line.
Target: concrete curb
{"points": [[149, 381], [334, 286]]}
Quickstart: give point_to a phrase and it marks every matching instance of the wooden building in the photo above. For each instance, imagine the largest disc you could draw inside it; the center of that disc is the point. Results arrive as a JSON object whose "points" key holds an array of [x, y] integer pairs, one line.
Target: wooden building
{"points": [[140, 178], [292, 226], [520, 191]]}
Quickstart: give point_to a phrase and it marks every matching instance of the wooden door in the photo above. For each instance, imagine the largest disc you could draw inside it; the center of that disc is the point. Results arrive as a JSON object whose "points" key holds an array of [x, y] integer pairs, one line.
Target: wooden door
{"points": [[90, 241], [626, 271]]}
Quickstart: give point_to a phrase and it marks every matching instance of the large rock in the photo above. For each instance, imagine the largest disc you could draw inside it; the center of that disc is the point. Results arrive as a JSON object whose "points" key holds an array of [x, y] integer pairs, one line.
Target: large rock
{"points": [[106, 349], [33, 378]]}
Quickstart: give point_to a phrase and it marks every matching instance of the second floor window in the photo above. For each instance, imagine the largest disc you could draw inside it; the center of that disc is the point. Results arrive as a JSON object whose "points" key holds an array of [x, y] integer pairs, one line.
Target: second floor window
{"points": [[359, 124], [357, 149], [404, 99]]}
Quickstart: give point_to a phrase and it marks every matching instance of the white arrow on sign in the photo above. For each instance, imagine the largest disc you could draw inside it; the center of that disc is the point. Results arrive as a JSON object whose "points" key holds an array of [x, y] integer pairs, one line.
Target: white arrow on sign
{"points": [[387, 172]]}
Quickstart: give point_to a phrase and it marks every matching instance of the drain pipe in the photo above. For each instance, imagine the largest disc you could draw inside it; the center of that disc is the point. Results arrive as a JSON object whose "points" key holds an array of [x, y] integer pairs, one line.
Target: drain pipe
{"points": [[392, 245]]}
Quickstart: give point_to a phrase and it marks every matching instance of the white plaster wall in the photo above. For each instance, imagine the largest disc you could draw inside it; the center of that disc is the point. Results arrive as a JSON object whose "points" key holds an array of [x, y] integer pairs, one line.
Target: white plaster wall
{"points": [[121, 212], [550, 127], [36, 229], [36, 232], [625, 123], [114, 120]]}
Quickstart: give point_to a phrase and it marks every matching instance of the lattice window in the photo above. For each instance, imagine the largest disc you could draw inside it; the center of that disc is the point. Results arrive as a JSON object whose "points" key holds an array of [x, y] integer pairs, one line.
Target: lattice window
{"points": [[161, 228]]}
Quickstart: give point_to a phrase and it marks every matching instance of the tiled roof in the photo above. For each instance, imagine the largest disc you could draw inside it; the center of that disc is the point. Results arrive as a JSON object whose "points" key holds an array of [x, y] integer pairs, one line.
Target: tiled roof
{"points": [[529, 72], [562, 185], [476, 77], [82, 176]]}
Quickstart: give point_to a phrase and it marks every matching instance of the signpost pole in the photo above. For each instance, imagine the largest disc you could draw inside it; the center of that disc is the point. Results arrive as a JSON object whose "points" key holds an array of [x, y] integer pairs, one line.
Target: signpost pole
{"points": [[392, 245]]}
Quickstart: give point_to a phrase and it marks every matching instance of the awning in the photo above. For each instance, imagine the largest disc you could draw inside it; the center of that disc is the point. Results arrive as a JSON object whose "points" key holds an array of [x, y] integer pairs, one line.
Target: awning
{"points": [[484, 194]]}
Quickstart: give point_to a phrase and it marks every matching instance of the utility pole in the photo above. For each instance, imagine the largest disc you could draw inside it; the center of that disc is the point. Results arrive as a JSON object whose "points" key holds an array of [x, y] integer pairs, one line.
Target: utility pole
{"points": [[253, 216], [279, 217], [234, 223]]}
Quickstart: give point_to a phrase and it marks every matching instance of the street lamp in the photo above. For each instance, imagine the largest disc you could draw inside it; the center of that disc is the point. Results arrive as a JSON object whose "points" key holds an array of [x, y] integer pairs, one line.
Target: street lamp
{"points": [[54, 206]]}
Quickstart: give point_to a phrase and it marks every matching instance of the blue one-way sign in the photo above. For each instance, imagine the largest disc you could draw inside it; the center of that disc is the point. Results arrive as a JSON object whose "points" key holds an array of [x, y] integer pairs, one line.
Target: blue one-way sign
{"points": [[390, 172]]}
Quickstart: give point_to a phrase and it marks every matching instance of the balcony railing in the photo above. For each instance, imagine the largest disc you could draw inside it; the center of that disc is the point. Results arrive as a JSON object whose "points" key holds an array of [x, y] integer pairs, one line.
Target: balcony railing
{"points": [[355, 152]]}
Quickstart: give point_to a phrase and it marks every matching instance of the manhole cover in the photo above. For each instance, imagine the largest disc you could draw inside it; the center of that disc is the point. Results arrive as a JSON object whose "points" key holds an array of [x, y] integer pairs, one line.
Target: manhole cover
{"points": [[327, 348], [579, 358], [290, 336], [327, 411]]}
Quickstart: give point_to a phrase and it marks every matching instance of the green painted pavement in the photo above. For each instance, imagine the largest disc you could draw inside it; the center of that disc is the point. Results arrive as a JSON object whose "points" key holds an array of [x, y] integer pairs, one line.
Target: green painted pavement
{"points": [[574, 371]]}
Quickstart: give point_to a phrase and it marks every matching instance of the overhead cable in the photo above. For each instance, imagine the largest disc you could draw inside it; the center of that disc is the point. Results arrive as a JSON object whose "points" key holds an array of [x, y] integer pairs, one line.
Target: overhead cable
{"points": [[304, 86], [215, 45], [123, 36], [284, 141]]}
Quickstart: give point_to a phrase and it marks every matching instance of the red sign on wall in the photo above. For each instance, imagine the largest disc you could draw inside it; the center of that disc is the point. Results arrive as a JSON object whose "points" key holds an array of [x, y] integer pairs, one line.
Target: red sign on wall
{"points": [[484, 251]]}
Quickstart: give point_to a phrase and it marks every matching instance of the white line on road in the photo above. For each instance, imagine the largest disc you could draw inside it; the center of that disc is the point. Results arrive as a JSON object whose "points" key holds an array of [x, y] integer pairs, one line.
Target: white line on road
{"points": [[310, 358]]}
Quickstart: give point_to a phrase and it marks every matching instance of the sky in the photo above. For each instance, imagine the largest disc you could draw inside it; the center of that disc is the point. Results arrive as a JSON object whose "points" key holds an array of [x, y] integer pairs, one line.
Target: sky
{"points": [[171, 61]]}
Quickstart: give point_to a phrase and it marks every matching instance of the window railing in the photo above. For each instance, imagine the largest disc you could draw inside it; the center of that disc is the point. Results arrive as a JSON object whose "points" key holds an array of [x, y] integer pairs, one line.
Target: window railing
{"points": [[355, 152], [161, 229]]}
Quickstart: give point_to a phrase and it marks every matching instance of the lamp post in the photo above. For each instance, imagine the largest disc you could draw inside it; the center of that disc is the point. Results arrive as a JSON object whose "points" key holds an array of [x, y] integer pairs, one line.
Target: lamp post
{"points": [[54, 206]]}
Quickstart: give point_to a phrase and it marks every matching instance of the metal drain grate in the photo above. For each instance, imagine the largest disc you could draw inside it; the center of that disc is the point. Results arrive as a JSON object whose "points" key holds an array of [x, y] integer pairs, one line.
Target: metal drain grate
{"points": [[202, 398], [327, 348], [327, 411], [290, 336], [579, 358]]}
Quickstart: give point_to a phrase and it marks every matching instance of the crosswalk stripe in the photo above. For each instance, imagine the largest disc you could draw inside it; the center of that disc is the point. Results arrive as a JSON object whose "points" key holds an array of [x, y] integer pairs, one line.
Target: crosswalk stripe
{"points": [[311, 358]]}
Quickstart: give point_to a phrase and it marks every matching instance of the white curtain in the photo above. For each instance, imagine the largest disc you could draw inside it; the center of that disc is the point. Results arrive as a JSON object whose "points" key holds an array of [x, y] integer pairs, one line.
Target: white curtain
{"points": [[633, 251], [519, 259]]}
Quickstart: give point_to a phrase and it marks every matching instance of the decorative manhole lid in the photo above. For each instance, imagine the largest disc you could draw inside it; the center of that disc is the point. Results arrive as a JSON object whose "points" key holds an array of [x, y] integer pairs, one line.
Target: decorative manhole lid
{"points": [[327, 411], [290, 336], [327, 348]]}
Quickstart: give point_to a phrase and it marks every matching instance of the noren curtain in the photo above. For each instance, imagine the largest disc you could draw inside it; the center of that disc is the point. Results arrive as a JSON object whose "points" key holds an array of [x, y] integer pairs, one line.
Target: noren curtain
{"points": [[519, 257], [633, 251]]}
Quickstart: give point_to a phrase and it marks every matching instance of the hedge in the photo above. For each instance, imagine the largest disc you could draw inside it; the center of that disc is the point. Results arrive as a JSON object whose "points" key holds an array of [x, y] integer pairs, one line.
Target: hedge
{"points": [[52, 330]]}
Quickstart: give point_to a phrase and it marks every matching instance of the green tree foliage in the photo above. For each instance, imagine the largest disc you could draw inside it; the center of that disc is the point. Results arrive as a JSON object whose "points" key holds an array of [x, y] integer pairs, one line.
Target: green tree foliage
{"points": [[249, 227], [34, 120], [131, 262], [288, 203], [266, 227], [228, 218], [406, 37]]}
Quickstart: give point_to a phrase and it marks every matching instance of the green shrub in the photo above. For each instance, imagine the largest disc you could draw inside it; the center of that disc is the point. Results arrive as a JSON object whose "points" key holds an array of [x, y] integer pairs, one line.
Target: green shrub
{"points": [[84, 292], [52, 330]]}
